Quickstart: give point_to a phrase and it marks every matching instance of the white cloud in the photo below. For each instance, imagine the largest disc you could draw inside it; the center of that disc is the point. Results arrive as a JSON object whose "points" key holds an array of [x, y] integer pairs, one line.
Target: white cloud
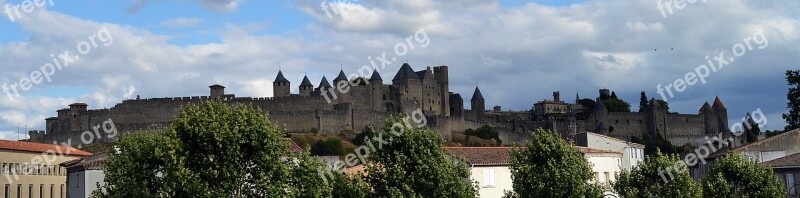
{"points": [[577, 48]]}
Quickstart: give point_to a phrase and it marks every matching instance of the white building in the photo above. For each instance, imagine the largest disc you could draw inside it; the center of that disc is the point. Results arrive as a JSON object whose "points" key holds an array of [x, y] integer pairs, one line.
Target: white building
{"points": [[84, 175], [489, 166], [605, 165], [632, 153]]}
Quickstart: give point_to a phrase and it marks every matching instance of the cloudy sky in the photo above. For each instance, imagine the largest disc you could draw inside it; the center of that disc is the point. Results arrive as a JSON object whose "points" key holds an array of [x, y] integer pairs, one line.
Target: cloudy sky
{"points": [[517, 51]]}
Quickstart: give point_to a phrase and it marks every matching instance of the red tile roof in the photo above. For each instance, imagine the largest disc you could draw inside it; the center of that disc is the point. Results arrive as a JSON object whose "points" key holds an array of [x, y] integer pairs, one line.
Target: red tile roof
{"points": [[482, 156], [293, 147], [787, 161], [41, 148], [586, 150]]}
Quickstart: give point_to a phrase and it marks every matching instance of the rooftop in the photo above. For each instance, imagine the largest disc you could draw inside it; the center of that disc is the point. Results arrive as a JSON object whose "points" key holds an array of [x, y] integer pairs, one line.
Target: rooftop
{"points": [[41, 148], [784, 162]]}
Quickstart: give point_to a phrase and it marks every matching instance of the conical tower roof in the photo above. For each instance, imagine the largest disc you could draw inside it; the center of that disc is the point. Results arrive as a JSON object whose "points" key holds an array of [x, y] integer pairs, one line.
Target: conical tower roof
{"points": [[306, 82], [706, 107], [718, 104], [324, 83], [477, 95], [406, 72], [375, 76], [340, 77], [280, 78]]}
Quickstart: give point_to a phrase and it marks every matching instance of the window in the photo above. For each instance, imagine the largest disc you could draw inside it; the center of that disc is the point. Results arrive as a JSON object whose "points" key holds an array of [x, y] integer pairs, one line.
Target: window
{"points": [[608, 179], [52, 189], [30, 190], [61, 192], [7, 194], [488, 178], [19, 190], [41, 190], [790, 183], [597, 175]]}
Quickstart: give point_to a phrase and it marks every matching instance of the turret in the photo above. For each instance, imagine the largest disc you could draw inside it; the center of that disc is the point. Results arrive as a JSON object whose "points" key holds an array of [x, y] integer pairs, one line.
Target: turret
{"points": [[405, 73], [280, 87], [478, 104], [722, 115], [376, 78], [443, 79], [340, 78], [456, 105], [217, 91], [556, 96], [306, 87]]}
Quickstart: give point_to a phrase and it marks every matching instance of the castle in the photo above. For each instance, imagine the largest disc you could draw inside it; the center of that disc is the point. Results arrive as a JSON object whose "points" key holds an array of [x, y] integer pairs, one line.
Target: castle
{"points": [[349, 105]]}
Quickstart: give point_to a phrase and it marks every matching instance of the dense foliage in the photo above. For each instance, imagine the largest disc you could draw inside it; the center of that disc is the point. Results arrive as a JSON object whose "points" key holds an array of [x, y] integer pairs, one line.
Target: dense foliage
{"points": [[485, 132], [365, 134], [793, 95], [328, 147], [658, 176], [412, 164], [213, 150], [734, 175], [549, 167], [614, 104]]}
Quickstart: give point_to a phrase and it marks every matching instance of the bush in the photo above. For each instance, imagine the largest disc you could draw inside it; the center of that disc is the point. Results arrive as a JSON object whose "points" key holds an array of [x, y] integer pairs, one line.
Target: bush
{"points": [[484, 132], [328, 147], [361, 137]]}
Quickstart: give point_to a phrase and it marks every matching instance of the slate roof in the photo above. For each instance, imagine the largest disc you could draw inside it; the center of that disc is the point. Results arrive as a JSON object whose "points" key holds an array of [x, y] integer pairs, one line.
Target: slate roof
{"points": [[405, 72], [340, 77], [477, 95], [375, 76], [306, 82], [456, 97], [280, 78], [324, 83], [41, 148]]}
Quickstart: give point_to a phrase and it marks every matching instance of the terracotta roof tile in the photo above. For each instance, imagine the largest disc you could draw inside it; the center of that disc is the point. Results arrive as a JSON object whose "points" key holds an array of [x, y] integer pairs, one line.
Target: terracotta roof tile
{"points": [[482, 156], [488, 156], [293, 147], [41, 148], [788, 161]]}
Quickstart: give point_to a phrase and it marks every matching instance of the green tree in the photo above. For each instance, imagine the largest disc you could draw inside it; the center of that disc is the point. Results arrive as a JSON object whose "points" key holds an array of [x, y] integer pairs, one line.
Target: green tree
{"points": [[136, 166], [485, 132], [658, 176], [361, 137], [751, 129], [734, 175], [549, 167], [643, 102], [213, 150], [350, 186], [328, 147], [412, 164], [793, 117], [588, 103], [616, 105], [664, 104]]}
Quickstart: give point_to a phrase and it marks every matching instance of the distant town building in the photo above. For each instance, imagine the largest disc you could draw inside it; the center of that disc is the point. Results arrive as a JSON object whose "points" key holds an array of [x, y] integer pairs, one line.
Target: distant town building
{"points": [[32, 169]]}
